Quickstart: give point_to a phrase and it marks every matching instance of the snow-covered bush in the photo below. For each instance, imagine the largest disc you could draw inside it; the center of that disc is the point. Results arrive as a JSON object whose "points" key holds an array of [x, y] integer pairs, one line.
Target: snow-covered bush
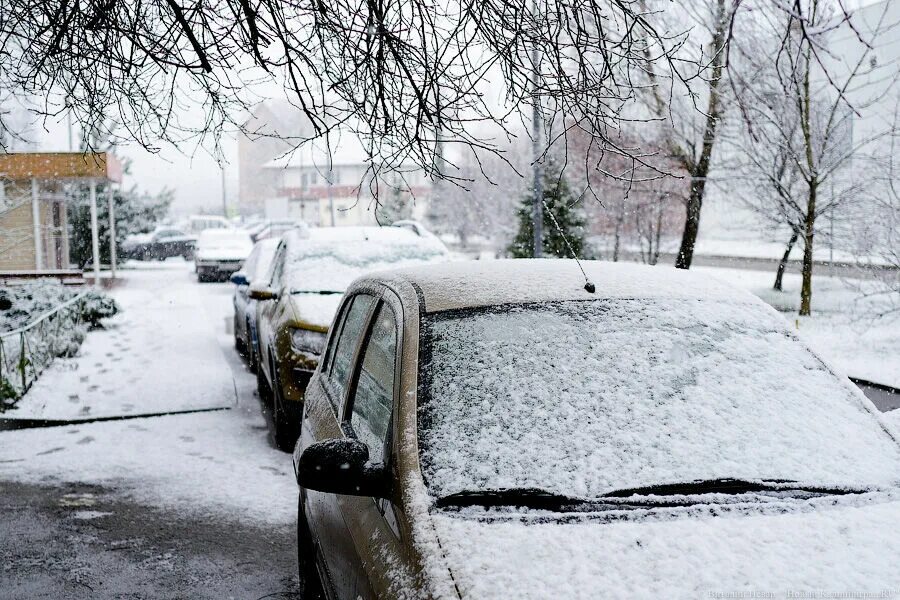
{"points": [[23, 355]]}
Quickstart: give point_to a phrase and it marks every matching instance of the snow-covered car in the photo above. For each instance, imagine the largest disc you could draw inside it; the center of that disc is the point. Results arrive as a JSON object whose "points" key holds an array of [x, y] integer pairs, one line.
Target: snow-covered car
{"points": [[493, 430], [256, 267], [220, 252], [199, 223], [163, 243], [312, 268]]}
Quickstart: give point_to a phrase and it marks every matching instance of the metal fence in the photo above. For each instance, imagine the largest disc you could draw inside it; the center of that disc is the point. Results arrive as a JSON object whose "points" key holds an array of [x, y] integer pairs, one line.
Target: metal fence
{"points": [[25, 352]]}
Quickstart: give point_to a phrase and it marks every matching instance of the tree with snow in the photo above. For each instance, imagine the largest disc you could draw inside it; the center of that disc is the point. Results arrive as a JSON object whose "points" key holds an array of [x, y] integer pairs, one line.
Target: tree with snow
{"points": [[799, 113], [564, 222]]}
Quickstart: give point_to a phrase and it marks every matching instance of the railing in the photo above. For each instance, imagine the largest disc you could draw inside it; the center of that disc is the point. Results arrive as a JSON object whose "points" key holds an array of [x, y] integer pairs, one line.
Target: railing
{"points": [[25, 352]]}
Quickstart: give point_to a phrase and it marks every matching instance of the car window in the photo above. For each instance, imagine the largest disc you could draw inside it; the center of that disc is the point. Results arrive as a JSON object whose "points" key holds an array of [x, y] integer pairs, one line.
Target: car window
{"points": [[351, 330], [249, 266], [370, 413], [278, 269]]}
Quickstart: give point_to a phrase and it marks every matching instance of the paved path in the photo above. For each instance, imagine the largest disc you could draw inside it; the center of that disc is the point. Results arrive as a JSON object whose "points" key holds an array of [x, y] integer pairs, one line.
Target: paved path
{"points": [[186, 506], [156, 355]]}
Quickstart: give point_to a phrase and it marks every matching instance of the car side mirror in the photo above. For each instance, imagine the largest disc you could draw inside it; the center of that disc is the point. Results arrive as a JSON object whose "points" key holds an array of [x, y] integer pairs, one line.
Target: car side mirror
{"points": [[239, 278], [341, 466], [262, 292]]}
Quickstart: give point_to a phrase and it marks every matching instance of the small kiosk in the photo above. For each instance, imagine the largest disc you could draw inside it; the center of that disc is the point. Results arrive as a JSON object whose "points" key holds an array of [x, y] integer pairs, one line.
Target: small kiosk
{"points": [[34, 237]]}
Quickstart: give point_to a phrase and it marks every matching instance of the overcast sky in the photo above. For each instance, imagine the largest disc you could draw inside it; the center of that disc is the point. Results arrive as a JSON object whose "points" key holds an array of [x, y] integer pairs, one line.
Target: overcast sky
{"points": [[191, 171]]}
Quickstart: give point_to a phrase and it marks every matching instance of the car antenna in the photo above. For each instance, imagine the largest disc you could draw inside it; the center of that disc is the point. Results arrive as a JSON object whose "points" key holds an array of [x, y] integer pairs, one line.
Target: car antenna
{"points": [[589, 286]]}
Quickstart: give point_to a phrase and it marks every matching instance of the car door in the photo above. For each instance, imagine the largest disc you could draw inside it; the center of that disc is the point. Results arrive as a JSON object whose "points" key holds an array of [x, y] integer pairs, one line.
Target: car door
{"points": [[323, 408], [266, 314], [368, 416], [242, 295]]}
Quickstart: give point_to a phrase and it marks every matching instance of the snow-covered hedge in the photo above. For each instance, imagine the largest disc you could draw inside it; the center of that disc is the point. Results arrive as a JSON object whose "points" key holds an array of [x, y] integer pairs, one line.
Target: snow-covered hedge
{"points": [[22, 303], [25, 354]]}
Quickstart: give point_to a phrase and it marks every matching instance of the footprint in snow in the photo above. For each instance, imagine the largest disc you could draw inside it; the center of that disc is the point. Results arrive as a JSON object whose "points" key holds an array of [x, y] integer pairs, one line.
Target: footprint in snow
{"points": [[85, 440], [73, 398], [186, 438], [51, 451], [83, 378], [93, 388]]}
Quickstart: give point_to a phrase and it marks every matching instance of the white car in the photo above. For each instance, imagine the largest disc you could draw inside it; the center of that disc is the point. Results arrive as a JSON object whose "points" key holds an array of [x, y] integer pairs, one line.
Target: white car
{"points": [[221, 252]]}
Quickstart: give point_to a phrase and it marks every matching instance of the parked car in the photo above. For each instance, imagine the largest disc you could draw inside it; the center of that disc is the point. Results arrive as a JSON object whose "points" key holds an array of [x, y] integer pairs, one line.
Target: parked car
{"points": [[256, 267], [199, 223], [491, 430], [221, 252], [163, 243], [272, 228], [311, 270]]}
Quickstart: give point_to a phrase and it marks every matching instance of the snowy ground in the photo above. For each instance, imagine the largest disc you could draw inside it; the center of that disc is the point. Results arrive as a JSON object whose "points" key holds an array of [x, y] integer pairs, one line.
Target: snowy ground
{"points": [[175, 355], [156, 355], [842, 328], [213, 472]]}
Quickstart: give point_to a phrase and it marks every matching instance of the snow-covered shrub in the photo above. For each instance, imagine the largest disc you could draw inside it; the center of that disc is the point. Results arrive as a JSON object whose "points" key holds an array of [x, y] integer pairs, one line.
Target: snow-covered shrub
{"points": [[98, 306], [24, 354]]}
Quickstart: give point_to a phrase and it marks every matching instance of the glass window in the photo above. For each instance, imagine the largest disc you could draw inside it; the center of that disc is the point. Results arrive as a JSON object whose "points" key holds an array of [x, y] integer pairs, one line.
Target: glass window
{"points": [[351, 330], [371, 411], [278, 269]]}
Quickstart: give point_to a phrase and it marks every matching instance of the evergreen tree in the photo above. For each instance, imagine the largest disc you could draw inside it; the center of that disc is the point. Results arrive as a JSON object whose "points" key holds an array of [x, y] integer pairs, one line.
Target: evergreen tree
{"points": [[135, 213], [559, 205], [397, 206]]}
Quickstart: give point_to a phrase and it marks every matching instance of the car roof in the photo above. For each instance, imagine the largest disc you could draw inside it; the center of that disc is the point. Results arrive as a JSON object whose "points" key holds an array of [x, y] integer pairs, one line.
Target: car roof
{"points": [[469, 284]]}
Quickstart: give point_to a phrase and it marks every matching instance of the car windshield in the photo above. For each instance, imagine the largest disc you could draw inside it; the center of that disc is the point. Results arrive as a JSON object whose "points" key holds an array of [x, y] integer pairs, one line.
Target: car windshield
{"points": [[224, 239], [585, 398]]}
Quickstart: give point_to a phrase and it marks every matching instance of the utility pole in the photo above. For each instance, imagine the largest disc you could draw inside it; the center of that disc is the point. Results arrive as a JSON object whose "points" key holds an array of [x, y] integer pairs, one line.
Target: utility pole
{"points": [[224, 197], [537, 137], [331, 196]]}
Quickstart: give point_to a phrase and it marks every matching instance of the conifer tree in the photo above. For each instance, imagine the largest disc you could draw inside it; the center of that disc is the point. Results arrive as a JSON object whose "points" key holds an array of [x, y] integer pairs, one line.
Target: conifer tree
{"points": [[563, 220]]}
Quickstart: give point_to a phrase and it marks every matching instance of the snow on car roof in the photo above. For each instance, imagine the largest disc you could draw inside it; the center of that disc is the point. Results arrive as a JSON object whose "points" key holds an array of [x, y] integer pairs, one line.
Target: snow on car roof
{"points": [[331, 258], [486, 283], [222, 234]]}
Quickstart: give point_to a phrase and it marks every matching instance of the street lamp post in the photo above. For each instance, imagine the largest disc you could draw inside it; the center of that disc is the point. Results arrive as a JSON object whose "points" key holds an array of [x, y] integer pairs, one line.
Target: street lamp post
{"points": [[537, 216]]}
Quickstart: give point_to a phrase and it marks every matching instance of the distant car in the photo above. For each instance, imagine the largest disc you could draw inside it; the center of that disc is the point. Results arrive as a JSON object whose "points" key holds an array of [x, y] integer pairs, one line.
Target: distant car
{"points": [[163, 243], [273, 228], [492, 430], [221, 252], [199, 223], [256, 267], [311, 270]]}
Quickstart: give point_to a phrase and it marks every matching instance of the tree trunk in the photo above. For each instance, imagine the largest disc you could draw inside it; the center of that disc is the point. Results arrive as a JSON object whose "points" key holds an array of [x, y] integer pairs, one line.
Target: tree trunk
{"points": [[700, 169], [659, 218], [617, 238], [779, 275], [808, 233]]}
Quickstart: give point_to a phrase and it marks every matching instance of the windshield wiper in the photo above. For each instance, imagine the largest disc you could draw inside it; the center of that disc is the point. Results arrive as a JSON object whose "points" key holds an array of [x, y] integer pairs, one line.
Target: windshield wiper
{"points": [[320, 292], [516, 497], [729, 486], [539, 499]]}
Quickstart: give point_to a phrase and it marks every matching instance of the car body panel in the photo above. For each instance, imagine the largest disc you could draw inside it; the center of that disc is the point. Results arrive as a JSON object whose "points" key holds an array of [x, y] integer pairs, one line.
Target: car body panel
{"points": [[355, 534], [801, 546]]}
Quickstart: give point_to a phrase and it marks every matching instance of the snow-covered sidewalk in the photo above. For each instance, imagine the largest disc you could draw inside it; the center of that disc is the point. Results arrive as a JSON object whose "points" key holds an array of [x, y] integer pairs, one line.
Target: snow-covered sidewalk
{"points": [[156, 355], [175, 354]]}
